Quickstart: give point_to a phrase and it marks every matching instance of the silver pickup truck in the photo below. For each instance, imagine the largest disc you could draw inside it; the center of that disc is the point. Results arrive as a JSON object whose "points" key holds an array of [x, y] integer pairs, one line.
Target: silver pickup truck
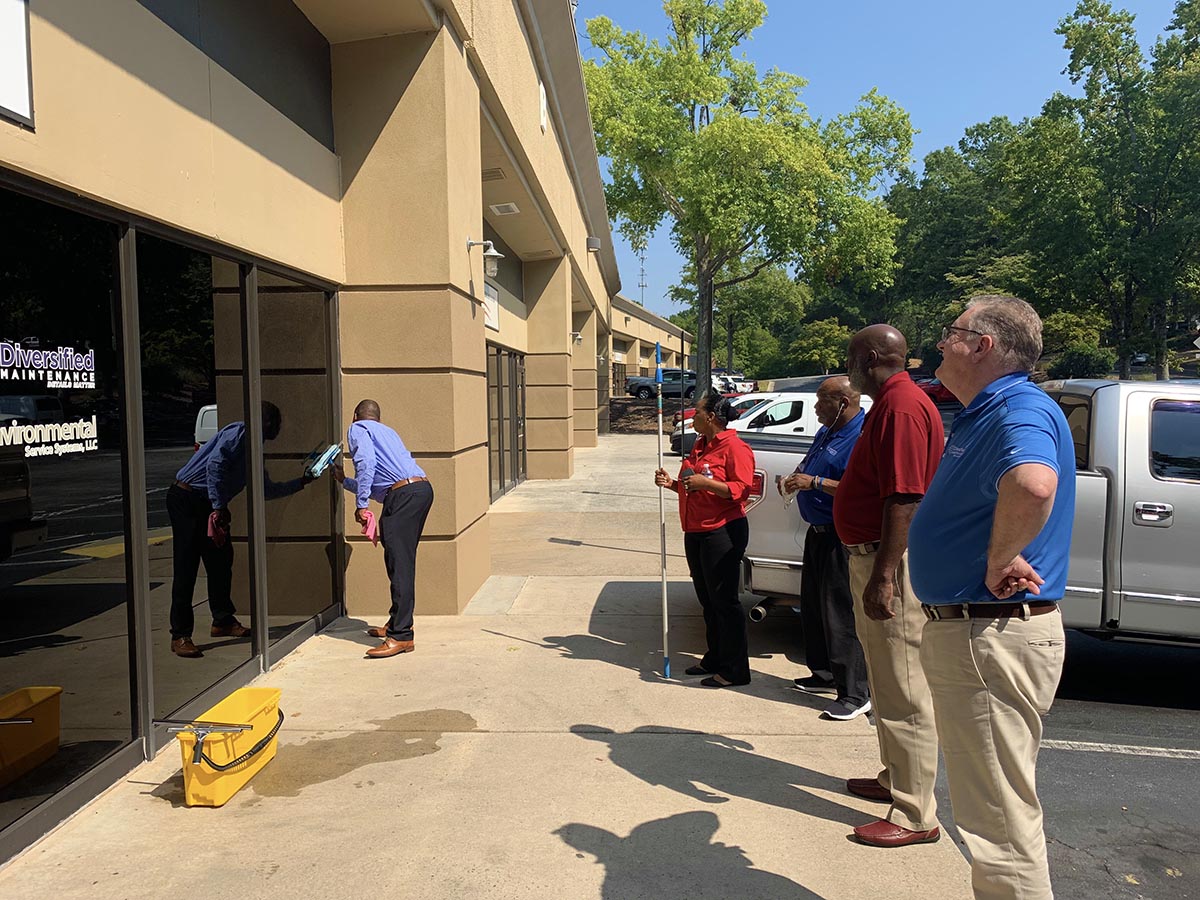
{"points": [[1135, 549]]}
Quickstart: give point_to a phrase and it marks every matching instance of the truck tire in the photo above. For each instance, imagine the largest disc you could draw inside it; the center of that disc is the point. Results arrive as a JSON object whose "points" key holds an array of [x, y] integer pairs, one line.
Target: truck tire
{"points": [[644, 393], [689, 393]]}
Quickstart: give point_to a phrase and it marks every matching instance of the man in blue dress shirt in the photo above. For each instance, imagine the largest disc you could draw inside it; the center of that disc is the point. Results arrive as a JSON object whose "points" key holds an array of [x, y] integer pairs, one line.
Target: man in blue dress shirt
{"points": [[988, 553], [385, 471], [201, 493], [831, 646]]}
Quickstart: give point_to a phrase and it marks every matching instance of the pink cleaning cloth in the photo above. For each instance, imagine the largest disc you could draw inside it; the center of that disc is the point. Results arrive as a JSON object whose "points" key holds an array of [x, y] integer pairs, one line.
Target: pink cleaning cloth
{"points": [[215, 532], [371, 529]]}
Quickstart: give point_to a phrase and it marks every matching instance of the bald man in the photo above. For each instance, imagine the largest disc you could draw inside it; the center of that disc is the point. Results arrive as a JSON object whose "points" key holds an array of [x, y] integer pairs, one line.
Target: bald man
{"points": [[385, 471], [831, 647], [889, 472]]}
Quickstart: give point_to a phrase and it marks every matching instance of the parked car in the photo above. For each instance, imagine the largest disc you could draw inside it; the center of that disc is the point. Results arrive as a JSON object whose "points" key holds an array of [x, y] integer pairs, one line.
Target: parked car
{"points": [[683, 437], [29, 409], [1137, 512], [936, 391], [206, 426], [676, 383], [19, 530], [1140, 359]]}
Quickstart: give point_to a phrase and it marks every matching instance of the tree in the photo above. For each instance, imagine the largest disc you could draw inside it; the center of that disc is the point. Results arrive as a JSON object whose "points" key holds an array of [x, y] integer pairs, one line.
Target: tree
{"points": [[1112, 178], [695, 136], [823, 343], [1064, 328]]}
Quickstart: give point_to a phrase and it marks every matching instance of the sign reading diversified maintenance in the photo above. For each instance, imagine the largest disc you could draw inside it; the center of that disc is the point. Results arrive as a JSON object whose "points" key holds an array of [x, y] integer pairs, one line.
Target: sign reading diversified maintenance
{"points": [[61, 369]]}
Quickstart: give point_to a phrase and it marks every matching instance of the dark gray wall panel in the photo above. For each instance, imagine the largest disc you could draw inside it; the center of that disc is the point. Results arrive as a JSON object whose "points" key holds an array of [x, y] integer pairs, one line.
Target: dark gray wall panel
{"points": [[268, 45]]}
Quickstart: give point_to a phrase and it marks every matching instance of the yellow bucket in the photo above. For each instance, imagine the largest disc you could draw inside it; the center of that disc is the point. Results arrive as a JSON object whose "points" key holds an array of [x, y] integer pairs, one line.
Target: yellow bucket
{"points": [[224, 762], [26, 745]]}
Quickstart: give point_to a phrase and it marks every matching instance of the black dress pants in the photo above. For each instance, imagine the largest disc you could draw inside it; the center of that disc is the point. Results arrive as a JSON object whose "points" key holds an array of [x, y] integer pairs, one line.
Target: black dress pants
{"points": [[404, 512], [715, 562], [827, 610], [190, 543]]}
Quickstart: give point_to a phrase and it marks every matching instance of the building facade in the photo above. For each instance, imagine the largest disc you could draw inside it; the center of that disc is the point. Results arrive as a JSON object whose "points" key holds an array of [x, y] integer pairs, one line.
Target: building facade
{"points": [[211, 209]]}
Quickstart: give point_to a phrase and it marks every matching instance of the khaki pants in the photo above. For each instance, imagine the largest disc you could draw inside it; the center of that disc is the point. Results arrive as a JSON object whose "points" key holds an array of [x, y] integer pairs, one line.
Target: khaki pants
{"points": [[900, 697], [992, 681]]}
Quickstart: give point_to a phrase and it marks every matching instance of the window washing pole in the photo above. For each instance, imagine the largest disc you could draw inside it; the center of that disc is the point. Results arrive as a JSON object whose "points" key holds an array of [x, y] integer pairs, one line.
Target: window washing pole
{"points": [[662, 515]]}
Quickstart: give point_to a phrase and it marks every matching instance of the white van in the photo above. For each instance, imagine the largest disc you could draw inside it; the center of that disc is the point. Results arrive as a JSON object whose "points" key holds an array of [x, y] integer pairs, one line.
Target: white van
{"points": [[793, 414], [206, 425]]}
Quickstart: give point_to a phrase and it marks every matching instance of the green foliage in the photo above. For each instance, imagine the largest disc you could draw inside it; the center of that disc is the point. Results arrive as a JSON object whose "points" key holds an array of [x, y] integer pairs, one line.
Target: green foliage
{"points": [[1082, 360], [731, 160], [822, 344], [1063, 328]]}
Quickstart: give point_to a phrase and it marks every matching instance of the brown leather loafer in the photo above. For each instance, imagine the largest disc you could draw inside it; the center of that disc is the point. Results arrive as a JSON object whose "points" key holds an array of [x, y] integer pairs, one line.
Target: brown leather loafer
{"points": [[869, 789], [887, 834], [233, 629], [377, 631], [185, 648], [391, 647]]}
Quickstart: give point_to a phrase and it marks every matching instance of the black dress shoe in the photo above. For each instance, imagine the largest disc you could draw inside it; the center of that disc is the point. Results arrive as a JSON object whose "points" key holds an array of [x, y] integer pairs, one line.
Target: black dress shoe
{"points": [[712, 682], [696, 670]]}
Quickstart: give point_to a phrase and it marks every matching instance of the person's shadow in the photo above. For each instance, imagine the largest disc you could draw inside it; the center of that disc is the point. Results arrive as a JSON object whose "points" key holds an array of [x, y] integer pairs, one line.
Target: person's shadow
{"points": [[677, 857], [712, 767]]}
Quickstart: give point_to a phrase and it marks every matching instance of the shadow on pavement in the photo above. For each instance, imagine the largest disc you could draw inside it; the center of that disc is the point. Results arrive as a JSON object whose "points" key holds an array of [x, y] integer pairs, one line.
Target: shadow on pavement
{"points": [[677, 857], [620, 632], [712, 767]]}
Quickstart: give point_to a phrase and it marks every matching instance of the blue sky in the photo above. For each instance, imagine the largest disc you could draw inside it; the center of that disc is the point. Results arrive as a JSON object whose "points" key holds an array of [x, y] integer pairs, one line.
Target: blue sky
{"points": [[949, 63]]}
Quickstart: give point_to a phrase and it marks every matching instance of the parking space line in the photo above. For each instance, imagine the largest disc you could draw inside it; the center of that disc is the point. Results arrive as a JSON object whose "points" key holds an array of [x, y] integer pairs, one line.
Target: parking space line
{"points": [[1124, 749]]}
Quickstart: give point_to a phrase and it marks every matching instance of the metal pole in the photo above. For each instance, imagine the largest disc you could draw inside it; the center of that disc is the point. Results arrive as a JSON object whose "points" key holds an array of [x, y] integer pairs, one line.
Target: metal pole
{"points": [[662, 515]]}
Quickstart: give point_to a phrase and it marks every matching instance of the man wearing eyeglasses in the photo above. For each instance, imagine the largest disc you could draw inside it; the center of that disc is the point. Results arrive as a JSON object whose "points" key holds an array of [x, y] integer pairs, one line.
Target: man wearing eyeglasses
{"points": [[988, 550]]}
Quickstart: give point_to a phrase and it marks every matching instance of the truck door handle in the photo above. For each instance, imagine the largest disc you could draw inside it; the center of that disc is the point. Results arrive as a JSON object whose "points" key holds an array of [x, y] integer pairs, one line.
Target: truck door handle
{"points": [[1157, 514], [798, 428]]}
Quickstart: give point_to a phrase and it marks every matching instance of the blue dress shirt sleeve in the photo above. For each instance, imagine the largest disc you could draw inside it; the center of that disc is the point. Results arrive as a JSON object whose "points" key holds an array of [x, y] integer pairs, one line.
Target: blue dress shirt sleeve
{"points": [[364, 465], [221, 474]]}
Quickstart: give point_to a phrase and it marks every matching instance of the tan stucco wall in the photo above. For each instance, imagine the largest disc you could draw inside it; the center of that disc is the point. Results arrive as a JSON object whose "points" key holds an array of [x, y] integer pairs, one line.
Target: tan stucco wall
{"points": [[130, 113]]}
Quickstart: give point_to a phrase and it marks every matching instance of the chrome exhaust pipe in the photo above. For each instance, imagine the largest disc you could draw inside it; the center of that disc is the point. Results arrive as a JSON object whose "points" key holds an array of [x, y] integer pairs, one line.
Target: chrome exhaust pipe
{"points": [[759, 612]]}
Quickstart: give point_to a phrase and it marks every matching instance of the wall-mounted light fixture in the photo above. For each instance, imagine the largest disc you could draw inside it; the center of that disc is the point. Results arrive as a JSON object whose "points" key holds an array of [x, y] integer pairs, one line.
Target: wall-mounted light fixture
{"points": [[576, 337], [491, 257], [593, 244]]}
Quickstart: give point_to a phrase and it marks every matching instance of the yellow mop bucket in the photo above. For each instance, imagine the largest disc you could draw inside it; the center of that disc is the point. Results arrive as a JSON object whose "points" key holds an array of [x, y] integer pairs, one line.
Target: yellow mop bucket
{"points": [[224, 748], [28, 730]]}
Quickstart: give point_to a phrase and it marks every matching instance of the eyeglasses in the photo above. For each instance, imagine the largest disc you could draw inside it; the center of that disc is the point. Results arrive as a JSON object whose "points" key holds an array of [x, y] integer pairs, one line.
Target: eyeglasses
{"points": [[946, 329]]}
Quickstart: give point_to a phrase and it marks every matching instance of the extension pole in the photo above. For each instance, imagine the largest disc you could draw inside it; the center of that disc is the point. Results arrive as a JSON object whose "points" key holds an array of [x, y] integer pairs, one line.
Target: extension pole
{"points": [[662, 515]]}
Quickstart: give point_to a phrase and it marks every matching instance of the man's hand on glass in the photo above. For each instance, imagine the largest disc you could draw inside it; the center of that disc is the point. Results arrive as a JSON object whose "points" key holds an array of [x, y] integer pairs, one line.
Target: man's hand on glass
{"points": [[339, 474]]}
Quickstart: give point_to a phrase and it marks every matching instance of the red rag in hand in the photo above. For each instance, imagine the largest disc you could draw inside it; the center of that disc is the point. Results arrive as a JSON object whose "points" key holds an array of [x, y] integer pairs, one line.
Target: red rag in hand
{"points": [[371, 528], [216, 533]]}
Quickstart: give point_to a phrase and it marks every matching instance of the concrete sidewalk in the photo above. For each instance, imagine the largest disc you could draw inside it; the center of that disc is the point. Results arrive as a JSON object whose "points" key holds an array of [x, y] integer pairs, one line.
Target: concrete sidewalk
{"points": [[529, 748]]}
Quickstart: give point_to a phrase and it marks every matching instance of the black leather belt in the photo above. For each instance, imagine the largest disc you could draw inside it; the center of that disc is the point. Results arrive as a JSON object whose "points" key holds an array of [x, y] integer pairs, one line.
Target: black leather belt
{"points": [[821, 529], [995, 610]]}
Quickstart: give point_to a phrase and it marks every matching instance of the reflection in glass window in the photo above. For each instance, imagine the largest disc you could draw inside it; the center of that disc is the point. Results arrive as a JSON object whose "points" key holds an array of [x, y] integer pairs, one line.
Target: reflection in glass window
{"points": [[1175, 440], [64, 614], [1078, 411], [783, 413], [195, 465]]}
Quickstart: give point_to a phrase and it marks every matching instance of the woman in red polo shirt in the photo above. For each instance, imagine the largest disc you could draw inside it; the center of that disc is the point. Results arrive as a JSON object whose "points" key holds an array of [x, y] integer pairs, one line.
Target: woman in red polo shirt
{"points": [[713, 481]]}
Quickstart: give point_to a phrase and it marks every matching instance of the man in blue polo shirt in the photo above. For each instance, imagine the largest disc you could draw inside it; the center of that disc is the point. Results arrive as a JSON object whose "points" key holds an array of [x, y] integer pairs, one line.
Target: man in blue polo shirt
{"points": [[988, 553], [831, 647]]}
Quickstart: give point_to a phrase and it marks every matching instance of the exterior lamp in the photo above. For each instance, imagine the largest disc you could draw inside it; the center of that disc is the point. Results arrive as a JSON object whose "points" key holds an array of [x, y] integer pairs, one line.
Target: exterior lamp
{"points": [[593, 244], [491, 257]]}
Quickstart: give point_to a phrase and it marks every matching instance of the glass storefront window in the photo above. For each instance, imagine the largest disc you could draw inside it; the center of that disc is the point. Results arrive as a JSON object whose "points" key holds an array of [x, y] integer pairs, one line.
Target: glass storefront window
{"points": [[188, 304], [294, 358], [64, 601]]}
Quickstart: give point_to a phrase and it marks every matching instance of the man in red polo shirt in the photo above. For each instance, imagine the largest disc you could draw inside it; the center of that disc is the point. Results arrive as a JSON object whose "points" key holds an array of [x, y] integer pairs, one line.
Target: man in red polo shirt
{"points": [[887, 475]]}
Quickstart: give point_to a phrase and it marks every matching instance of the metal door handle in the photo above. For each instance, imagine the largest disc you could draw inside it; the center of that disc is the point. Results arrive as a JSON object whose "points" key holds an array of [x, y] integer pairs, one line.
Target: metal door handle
{"points": [[800, 428], [1157, 514]]}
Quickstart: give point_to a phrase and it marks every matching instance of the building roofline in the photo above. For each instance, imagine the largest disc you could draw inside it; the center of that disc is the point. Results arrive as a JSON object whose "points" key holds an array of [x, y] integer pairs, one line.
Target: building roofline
{"points": [[625, 305]]}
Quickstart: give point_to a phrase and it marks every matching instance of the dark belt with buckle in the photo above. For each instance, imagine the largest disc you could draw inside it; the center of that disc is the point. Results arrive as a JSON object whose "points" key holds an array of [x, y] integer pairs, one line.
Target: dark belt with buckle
{"points": [[862, 549], [821, 529], [988, 610], [403, 481], [184, 486]]}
